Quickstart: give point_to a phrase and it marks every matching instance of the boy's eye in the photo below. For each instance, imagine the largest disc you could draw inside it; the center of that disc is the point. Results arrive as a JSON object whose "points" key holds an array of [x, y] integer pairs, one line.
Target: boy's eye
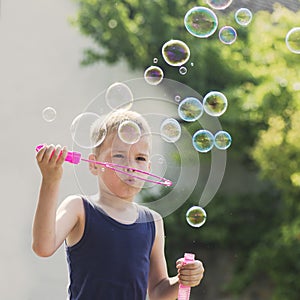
{"points": [[118, 156], [141, 158]]}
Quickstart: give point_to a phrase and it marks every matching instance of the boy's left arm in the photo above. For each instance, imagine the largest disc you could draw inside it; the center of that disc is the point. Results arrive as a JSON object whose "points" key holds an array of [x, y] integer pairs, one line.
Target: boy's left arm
{"points": [[161, 286]]}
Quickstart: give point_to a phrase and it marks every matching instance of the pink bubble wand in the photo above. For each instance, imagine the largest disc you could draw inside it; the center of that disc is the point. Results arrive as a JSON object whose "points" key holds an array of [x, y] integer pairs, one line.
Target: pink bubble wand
{"points": [[184, 291], [75, 158]]}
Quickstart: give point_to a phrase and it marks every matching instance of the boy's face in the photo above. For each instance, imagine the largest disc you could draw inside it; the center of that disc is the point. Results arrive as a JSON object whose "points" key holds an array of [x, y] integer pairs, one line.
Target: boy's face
{"points": [[136, 156]]}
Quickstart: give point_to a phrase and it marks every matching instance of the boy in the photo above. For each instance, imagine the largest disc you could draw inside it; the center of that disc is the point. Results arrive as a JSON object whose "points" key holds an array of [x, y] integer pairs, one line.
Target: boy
{"points": [[114, 247]]}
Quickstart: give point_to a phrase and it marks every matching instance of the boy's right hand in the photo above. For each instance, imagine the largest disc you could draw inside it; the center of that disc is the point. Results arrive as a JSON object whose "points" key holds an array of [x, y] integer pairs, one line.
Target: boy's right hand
{"points": [[50, 159]]}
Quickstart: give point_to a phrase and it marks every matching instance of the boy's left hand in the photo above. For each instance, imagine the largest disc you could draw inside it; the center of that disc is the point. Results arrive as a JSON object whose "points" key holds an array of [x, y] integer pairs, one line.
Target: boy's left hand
{"points": [[190, 274]]}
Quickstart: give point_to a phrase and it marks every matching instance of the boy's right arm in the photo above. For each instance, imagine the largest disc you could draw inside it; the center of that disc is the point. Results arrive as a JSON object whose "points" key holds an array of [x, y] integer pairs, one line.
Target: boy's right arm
{"points": [[51, 227]]}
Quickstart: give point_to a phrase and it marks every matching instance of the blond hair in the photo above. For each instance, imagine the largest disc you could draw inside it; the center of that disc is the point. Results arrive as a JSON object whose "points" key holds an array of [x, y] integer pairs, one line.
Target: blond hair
{"points": [[102, 128]]}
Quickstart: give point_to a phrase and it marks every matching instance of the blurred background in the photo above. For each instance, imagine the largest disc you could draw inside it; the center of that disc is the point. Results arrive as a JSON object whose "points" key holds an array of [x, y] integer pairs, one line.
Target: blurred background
{"points": [[61, 54]]}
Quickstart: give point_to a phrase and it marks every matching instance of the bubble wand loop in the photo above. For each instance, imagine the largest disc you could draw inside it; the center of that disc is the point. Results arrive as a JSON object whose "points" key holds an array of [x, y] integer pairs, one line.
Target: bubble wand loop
{"points": [[75, 158]]}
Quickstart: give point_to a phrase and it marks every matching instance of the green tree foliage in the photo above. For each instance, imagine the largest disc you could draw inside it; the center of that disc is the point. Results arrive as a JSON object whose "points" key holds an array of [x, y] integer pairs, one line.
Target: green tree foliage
{"points": [[261, 79]]}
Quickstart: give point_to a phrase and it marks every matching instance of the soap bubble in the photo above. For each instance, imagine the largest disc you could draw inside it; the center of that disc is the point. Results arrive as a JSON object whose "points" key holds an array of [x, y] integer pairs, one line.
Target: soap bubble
{"points": [[182, 70], [219, 4], [129, 132], [81, 126], [292, 40], [196, 216], [154, 75], [222, 140], [227, 35], [155, 60], [190, 109], [119, 95], [243, 16], [49, 114], [175, 52], [158, 164], [201, 22], [215, 103], [203, 140], [177, 98], [170, 130], [112, 23]]}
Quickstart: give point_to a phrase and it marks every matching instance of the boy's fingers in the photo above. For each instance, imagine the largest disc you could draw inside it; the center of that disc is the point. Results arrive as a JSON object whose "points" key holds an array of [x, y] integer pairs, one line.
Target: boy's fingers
{"points": [[49, 152], [56, 153], [40, 154], [191, 274], [62, 155]]}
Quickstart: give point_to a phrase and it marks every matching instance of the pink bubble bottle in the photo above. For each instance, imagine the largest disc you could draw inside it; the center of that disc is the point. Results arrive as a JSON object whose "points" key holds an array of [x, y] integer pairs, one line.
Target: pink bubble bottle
{"points": [[184, 291]]}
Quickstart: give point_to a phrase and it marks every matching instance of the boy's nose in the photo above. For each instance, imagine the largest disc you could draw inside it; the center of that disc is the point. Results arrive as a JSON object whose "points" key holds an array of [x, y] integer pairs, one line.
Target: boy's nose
{"points": [[129, 169]]}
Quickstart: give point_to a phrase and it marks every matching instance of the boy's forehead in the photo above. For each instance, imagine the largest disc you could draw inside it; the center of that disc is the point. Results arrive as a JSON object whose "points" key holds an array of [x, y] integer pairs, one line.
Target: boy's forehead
{"points": [[113, 142]]}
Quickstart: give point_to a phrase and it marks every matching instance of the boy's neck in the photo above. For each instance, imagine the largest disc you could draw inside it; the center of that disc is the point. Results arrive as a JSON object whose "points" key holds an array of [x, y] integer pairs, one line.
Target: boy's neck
{"points": [[123, 211]]}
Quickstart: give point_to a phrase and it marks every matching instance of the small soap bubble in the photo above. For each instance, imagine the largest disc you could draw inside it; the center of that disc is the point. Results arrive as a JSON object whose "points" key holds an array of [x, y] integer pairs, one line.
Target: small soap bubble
{"points": [[203, 140], [154, 75], [196, 216], [215, 103], [81, 126], [112, 23], [182, 70], [175, 52], [177, 98], [190, 109], [243, 16], [227, 35], [155, 60], [222, 140], [292, 40], [170, 130], [49, 114], [158, 162], [119, 95], [201, 22], [129, 132], [219, 4]]}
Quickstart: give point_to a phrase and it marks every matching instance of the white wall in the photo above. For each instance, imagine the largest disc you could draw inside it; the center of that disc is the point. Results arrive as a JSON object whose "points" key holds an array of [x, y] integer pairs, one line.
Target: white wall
{"points": [[39, 67]]}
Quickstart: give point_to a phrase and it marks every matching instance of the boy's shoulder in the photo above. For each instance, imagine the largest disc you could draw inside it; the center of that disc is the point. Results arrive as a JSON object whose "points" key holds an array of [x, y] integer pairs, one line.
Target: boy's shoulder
{"points": [[156, 216], [72, 203]]}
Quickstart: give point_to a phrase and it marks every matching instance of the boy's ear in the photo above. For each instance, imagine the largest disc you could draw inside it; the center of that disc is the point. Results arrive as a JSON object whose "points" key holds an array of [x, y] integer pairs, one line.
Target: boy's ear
{"points": [[92, 166]]}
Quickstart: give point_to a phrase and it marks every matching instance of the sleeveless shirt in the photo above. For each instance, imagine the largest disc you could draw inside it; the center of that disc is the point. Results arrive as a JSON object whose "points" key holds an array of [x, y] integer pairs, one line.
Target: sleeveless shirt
{"points": [[112, 260]]}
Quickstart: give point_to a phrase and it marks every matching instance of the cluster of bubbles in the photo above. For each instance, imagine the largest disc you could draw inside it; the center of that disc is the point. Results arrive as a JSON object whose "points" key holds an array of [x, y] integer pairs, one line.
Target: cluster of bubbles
{"points": [[201, 22], [204, 140], [191, 109]]}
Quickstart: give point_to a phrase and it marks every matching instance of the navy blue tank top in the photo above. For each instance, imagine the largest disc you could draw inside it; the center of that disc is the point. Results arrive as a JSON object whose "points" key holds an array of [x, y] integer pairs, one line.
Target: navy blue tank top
{"points": [[112, 260]]}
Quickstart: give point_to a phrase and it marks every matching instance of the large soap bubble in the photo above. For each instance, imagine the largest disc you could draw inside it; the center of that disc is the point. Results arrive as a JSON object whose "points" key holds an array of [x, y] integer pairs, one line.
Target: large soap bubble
{"points": [[119, 95], [292, 40], [219, 4], [175, 52], [196, 216], [201, 22]]}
